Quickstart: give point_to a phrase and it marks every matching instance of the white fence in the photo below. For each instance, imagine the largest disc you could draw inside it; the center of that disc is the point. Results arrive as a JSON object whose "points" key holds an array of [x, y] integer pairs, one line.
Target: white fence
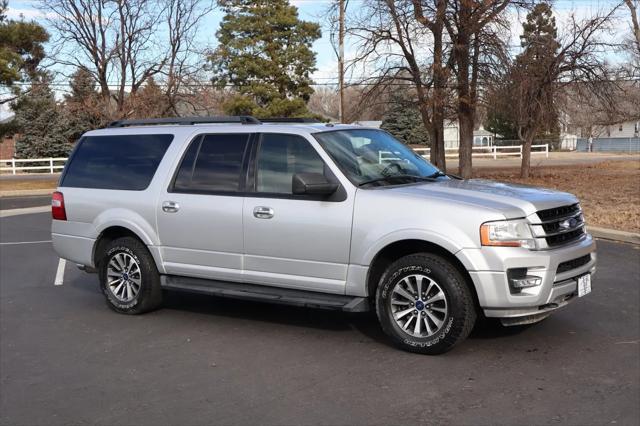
{"points": [[491, 151], [13, 165]]}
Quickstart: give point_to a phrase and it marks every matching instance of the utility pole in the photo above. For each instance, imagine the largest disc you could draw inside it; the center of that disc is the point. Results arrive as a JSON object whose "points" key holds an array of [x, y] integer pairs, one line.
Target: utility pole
{"points": [[341, 60]]}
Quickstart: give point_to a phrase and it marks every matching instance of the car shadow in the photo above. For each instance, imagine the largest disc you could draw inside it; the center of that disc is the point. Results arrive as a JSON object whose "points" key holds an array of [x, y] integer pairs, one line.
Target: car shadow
{"points": [[336, 321]]}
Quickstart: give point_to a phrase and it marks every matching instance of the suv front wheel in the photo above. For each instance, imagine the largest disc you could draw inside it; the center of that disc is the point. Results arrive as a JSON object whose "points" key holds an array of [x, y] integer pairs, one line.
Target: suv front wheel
{"points": [[128, 277], [424, 304]]}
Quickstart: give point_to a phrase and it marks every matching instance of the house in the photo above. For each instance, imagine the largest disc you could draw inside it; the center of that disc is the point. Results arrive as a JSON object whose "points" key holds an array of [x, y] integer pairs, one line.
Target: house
{"points": [[624, 129], [481, 136]]}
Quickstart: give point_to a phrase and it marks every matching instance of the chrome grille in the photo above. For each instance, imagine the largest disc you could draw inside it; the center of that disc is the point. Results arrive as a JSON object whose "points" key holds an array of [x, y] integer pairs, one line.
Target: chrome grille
{"points": [[558, 226]]}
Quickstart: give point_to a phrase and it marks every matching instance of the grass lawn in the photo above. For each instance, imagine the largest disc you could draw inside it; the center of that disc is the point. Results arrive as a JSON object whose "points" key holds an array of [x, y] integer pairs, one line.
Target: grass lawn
{"points": [[18, 184], [609, 192]]}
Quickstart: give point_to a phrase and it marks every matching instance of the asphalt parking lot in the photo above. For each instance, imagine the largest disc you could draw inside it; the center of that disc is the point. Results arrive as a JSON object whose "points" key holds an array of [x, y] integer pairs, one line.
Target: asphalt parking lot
{"points": [[65, 358]]}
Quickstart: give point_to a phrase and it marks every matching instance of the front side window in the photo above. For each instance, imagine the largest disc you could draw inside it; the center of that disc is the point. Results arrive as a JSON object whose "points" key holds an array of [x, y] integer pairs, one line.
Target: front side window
{"points": [[213, 163], [280, 156], [124, 162], [374, 157]]}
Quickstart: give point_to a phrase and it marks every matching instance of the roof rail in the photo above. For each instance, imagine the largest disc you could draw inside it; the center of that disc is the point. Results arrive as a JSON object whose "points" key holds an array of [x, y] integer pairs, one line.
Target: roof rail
{"points": [[289, 120], [242, 119]]}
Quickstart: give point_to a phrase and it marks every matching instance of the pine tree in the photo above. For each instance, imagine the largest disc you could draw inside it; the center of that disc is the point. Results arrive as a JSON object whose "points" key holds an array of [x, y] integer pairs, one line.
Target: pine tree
{"points": [[265, 53], [535, 74], [404, 122], [42, 122], [21, 48], [83, 107]]}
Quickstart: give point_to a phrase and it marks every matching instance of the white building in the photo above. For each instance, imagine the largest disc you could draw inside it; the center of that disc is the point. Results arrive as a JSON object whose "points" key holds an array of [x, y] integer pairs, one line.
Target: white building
{"points": [[481, 137], [624, 129]]}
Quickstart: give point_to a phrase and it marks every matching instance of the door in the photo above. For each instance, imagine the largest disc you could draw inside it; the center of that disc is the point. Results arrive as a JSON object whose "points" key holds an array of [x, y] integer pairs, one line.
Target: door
{"points": [[200, 213], [289, 240]]}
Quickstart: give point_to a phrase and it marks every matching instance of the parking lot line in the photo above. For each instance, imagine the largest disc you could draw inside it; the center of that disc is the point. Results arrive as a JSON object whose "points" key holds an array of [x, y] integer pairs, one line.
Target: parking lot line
{"points": [[60, 272], [15, 243]]}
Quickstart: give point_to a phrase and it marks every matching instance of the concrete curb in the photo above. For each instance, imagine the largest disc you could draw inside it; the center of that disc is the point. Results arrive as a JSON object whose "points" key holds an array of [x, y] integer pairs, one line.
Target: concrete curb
{"points": [[26, 192], [28, 210], [614, 235]]}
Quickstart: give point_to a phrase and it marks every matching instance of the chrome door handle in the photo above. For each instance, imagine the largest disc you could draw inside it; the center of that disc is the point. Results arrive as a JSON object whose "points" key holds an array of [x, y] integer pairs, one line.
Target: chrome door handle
{"points": [[263, 212], [170, 207]]}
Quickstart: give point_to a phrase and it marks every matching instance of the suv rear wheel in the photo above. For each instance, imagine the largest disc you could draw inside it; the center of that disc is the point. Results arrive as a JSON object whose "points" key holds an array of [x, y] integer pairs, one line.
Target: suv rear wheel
{"points": [[424, 304], [129, 278]]}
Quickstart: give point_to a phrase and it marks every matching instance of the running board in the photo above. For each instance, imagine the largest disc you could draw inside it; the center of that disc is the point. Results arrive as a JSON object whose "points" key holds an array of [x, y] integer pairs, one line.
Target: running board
{"points": [[260, 293]]}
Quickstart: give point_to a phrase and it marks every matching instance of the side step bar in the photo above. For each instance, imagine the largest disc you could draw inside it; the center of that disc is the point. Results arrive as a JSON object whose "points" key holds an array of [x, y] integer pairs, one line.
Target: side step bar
{"points": [[260, 293]]}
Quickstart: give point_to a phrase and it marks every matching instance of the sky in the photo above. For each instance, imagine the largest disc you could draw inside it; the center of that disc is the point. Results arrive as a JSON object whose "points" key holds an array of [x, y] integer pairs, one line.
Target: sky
{"points": [[316, 10]]}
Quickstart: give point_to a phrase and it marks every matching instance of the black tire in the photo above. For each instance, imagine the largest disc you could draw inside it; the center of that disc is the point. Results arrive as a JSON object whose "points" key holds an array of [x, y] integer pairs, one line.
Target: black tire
{"points": [[149, 293], [457, 321]]}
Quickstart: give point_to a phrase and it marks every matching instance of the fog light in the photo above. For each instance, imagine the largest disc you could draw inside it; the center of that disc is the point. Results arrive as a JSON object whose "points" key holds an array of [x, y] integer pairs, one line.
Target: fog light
{"points": [[525, 282]]}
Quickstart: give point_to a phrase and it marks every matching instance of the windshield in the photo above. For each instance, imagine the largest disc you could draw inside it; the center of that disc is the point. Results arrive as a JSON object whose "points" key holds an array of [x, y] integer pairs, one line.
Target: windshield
{"points": [[374, 157]]}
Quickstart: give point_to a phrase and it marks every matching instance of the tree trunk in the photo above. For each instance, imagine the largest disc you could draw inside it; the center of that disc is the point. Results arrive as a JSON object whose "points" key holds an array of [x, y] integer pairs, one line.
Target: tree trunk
{"points": [[465, 105], [527, 139], [525, 168], [465, 123], [439, 82]]}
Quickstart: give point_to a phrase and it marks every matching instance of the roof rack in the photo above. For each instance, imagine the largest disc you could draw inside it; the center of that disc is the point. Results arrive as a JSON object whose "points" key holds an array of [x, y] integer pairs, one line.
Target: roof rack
{"points": [[289, 120], [242, 119]]}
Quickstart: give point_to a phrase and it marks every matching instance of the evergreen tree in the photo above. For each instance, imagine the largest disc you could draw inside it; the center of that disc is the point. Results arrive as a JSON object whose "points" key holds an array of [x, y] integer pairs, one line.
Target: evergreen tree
{"points": [[21, 48], [265, 53], [44, 126], [83, 105], [404, 122], [500, 125]]}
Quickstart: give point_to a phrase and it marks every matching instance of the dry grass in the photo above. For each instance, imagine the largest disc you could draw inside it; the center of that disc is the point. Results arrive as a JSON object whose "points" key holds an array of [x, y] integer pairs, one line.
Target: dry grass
{"points": [[18, 184], [609, 191]]}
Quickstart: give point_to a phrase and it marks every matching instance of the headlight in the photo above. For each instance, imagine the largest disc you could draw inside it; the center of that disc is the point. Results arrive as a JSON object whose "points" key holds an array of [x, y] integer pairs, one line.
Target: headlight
{"points": [[507, 233]]}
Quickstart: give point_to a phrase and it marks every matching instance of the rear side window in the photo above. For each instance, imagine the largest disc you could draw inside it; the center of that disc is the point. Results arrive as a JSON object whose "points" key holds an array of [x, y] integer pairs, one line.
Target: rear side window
{"points": [[126, 162], [213, 163]]}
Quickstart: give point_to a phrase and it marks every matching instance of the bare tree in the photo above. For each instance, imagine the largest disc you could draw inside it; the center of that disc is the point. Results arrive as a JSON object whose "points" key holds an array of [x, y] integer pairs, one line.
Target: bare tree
{"points": [[432, 15], [83, 31], [185, 58], [393, 40], [547, 65], [635, 25], [123, 44], [472, 26]]}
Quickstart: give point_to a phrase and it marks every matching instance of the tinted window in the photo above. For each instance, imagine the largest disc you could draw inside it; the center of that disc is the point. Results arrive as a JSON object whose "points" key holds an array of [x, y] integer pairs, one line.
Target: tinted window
{"points": [[213, 163], [280, 157], [116, 162]]}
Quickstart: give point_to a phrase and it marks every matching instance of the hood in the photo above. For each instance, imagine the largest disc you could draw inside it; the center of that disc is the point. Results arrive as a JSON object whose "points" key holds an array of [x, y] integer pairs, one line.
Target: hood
{"points": [[513, 200]]}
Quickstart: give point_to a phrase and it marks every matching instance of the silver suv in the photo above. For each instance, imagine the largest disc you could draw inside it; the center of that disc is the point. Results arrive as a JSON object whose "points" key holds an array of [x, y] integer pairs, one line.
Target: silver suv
{"points": [[318, 215]]}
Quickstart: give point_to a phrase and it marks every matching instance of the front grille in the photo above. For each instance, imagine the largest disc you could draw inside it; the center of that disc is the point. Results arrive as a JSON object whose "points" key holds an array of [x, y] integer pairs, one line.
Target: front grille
{"points": [[573, 264], [558, 212], [567, 237], [559, 226]]}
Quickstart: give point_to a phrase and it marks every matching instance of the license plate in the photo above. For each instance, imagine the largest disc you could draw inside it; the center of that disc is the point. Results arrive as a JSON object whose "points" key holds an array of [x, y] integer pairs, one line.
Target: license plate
{"points": [[584, 285]]}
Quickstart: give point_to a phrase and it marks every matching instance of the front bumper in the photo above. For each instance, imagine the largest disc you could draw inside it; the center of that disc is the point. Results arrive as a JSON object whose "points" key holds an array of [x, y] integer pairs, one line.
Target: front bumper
{"points": [[488, 265]]}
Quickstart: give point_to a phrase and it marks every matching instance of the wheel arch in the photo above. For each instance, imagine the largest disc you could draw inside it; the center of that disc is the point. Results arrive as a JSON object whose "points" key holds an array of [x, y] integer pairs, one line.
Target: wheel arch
{"points": [[109, 234], [400, 248]]}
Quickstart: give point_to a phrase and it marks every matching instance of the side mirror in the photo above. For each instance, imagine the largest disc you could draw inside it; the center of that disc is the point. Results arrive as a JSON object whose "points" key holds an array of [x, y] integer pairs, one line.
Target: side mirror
{"points": [[312, 184]]}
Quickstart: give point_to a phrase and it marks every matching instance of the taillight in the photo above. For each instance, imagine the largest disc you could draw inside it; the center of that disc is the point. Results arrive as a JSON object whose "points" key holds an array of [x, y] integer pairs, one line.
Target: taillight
{"points": [[57, 206]]}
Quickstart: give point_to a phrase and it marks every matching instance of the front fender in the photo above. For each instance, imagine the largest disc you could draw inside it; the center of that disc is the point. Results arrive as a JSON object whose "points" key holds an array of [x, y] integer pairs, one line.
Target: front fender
{"points": [[408, 234]]}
